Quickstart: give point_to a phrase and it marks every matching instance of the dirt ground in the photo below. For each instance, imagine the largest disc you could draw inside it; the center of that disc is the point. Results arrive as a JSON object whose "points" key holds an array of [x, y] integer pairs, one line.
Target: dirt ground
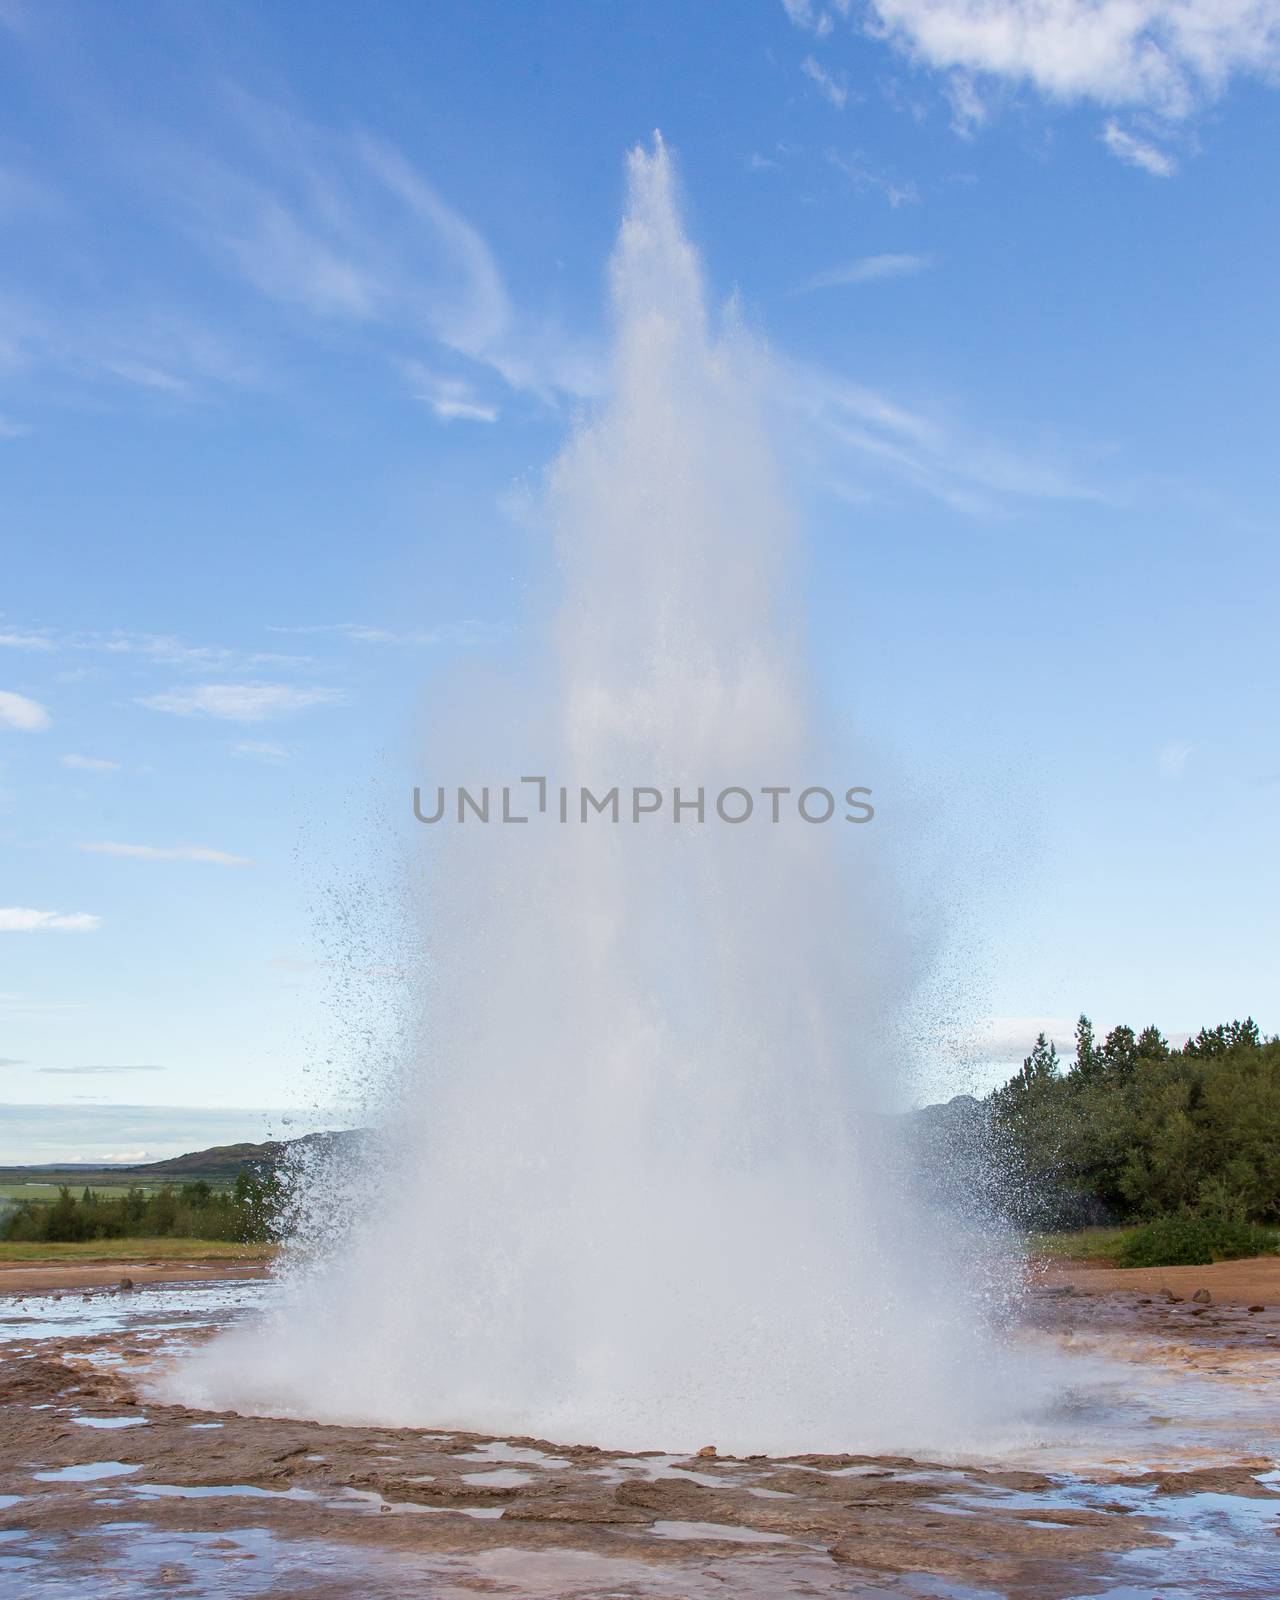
{"points": [[189, 1499], [1255, 1281], [52, 1277]]}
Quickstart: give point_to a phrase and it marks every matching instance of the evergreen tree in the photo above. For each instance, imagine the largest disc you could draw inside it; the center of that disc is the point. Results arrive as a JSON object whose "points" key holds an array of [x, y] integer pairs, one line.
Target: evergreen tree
{"points": [[1152, 1044], [1088, 1064]]}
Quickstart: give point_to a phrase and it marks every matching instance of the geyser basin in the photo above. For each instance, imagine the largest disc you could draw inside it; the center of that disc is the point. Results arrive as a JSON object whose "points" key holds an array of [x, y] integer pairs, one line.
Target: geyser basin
{"points": [[638, 1190]]}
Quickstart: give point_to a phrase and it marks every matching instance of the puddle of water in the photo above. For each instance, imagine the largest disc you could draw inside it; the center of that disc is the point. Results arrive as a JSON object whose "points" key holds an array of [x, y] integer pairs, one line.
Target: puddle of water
{"points": [[500, 1478], [109, 1422], [158, 1307], [378, 1502], [87, 1472], [717, 1530], [500, 1451], [663, 1467], [216, 1491]]}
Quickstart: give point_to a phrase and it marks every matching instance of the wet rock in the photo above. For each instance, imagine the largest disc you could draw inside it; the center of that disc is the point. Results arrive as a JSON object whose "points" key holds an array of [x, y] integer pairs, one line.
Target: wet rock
{"points": [[1202, 1297], [125, 1286], [707, 1453], [575, 1510], [1253, 1310]]}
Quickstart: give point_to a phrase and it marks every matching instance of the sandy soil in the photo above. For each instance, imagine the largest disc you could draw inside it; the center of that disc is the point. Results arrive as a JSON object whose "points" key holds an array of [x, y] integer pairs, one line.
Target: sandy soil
{"points": [[1255, 1281], [26, 1277]]}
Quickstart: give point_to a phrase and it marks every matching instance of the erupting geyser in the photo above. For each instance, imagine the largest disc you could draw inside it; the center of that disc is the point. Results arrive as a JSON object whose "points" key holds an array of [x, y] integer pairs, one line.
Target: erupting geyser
{"points": [[645, 1195]]}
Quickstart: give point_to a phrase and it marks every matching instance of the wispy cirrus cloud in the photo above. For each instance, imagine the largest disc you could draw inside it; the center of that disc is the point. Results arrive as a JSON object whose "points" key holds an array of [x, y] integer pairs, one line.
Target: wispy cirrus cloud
{"points": [[867, 446], [89, 763], [1138, 152], [467, 632], [347, 231], [870, 269], [20, 712], [241, 702], [267, 751], [23, 919], [181, 852], [834, 90], [162, 649], [450, 399], [170, 354], [99, 1071], [1172, 758]]}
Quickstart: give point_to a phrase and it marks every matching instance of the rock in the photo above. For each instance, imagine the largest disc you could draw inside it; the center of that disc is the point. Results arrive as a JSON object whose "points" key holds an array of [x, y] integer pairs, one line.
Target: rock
{"points": [[124, 1286], [707, 1453], [1202, 1297], [1172, 1299], [1253, 1310]]}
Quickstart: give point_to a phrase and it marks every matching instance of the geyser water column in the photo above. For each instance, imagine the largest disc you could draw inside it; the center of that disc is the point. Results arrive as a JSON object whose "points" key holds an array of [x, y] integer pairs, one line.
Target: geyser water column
{"points": [[639, 1190]]}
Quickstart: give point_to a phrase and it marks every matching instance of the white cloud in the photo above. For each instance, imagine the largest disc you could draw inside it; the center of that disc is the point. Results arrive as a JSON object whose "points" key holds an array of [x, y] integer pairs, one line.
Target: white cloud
{"points": [[1138, 152], [1173, 757], [185, 852], [867, 178], [84, 1072], [344, 228], [89, 764], [9, 429], [1167, 56], [21, 919], [17, 711], [241, 702], [163, 352], [164, 649], [1007, 1041], [869, 269], [830, 88], [265, 750], [467, 632], [808, 16], [452, 399], [864, 445], [24, 639]]}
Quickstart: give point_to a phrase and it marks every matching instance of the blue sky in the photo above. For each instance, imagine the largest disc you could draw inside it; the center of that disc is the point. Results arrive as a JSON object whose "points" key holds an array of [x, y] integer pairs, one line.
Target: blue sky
{"points": [[297, 305]]}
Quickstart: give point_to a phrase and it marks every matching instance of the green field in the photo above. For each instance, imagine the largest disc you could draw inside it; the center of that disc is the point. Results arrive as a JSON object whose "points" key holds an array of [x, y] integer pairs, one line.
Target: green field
{"points": [[109, 1250], [1085, 1244], [20, 1184], [42, 1191]]}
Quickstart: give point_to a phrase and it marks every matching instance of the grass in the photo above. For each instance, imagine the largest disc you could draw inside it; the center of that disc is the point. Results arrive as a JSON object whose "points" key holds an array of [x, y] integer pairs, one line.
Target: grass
{"points": [[1100, 1245], [1167, 1242], [135, 1250], [18, 1185], [47, 1193]]}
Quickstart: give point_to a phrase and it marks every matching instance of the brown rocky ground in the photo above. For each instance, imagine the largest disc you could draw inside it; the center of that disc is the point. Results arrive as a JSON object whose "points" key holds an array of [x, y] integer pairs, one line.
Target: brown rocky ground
{"points": [[1255, 1281], [366, 1511]]}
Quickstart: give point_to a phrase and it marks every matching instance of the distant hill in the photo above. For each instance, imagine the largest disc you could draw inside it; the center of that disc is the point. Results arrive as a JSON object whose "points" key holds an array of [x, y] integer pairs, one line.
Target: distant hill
{"points": [[229, 1160], [220, 1163]]}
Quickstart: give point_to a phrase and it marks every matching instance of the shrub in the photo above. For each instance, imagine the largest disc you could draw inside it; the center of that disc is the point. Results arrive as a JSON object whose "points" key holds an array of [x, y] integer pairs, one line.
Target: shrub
{"points": [[1190, 1241]]}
